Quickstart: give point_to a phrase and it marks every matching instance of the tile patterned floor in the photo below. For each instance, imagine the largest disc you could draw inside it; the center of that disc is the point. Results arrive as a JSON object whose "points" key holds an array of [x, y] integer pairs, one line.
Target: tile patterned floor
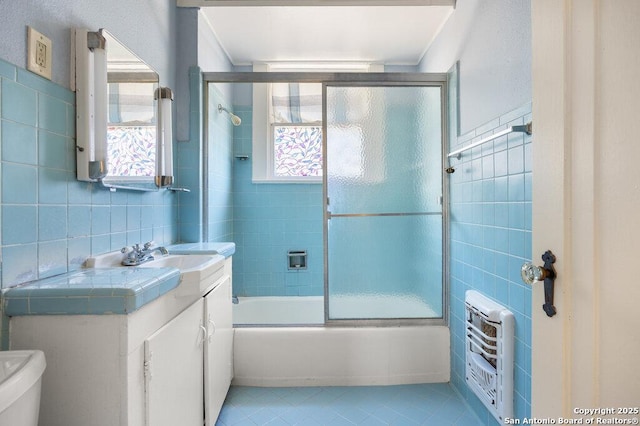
{"points": [[426, 404]]}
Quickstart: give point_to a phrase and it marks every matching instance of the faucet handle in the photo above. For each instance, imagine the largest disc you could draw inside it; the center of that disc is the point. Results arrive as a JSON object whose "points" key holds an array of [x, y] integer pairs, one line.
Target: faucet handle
{"points": [[148, 244]]}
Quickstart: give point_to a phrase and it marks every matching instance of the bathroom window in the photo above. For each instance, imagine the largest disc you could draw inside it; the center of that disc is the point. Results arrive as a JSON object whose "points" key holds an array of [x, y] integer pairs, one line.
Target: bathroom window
{"points": [[297, 150], [287, 124], [296, 130]]}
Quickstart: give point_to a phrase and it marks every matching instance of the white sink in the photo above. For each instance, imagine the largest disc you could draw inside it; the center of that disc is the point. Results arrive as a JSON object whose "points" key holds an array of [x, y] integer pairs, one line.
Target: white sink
{"points": [[20, 384], [198, 272], [184, 262]]}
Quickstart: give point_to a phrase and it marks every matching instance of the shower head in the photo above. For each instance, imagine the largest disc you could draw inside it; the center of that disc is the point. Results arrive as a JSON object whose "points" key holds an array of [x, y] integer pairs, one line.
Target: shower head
{"points": [[235, 120]]}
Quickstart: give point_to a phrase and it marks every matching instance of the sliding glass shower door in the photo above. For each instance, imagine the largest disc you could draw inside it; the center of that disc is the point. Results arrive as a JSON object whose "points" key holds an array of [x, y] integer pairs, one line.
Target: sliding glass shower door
{"points": [[384, 210]]}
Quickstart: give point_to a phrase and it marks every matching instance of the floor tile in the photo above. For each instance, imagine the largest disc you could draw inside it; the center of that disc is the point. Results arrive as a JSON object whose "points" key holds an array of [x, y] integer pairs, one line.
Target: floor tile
{"points": [[403, 405]]}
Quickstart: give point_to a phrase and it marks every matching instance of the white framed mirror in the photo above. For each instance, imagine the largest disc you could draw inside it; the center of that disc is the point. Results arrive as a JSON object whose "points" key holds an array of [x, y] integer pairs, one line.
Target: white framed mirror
{"points": [[122, 141]]}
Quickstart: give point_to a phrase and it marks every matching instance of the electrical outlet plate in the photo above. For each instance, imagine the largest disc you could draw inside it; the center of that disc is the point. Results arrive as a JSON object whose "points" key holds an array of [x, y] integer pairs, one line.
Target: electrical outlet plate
{"points": [[40, 52]]}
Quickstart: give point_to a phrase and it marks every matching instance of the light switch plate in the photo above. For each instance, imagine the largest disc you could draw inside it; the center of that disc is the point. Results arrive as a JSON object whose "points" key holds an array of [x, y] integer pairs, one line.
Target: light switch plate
{"points": [[39, 54]]}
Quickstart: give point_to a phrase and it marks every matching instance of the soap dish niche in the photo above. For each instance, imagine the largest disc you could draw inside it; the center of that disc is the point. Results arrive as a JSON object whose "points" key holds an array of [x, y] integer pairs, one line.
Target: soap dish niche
{"points": [[297, 259]]}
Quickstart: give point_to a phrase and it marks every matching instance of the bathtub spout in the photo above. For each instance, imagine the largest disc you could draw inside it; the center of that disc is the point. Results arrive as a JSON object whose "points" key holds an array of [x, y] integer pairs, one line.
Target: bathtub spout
{"points": [[234, 300]]}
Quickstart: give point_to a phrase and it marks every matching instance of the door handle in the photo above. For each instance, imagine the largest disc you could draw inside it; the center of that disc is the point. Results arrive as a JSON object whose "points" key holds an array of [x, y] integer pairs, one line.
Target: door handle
{"points": [[547, 273], [202, 336]]}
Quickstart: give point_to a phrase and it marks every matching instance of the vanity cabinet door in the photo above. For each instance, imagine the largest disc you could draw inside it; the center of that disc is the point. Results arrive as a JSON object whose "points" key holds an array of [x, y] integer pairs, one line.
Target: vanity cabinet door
{"points": [[218, 349], [174, 370]]}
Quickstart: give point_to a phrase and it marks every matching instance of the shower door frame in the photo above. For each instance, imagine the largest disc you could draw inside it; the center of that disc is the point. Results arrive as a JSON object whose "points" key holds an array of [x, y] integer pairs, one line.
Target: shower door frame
{"points": [[360, 79], [401, 80]]}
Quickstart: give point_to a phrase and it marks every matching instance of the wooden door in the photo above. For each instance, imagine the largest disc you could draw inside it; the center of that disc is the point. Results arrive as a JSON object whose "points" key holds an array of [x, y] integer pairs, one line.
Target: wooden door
{"points": [[586, 199]]}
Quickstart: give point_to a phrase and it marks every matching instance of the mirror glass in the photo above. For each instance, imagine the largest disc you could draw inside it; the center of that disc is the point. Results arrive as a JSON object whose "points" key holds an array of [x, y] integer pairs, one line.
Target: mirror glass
{"points": [[131, 128]]}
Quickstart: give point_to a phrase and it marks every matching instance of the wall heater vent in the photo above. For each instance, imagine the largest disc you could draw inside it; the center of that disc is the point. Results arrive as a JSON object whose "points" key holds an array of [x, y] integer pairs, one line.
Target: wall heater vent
{"points": [[489, 341]]}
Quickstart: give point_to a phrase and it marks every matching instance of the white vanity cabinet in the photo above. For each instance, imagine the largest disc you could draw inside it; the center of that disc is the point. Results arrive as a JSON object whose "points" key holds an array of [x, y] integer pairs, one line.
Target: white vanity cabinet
{"points": [[167, 363], [189, 360], [175, 391], [173, 370]]}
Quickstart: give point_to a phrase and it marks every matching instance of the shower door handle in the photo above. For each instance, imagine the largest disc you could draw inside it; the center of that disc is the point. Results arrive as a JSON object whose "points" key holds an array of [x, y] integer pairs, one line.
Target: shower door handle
{"points": [[531, 273]]}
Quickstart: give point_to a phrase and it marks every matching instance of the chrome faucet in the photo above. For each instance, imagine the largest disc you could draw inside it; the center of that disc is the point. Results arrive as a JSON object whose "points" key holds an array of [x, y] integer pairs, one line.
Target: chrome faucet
{"points": [[138, 256]]}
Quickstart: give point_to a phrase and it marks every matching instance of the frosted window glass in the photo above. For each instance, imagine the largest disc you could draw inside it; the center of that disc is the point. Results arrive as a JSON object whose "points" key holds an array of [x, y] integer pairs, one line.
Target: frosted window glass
{"points": [[297, 150]]}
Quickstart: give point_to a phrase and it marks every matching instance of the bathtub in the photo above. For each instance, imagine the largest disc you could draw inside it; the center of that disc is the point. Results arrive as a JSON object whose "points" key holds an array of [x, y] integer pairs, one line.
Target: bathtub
{"points": [[279, 310], [309, 310], [272, 355]]}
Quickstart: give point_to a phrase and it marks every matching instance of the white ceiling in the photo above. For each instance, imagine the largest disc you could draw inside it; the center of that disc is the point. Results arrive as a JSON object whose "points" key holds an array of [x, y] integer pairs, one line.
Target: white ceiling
{"points": [[390, 35]]}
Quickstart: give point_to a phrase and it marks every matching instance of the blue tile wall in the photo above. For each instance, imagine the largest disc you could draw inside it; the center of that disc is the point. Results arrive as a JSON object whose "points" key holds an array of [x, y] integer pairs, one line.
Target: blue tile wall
{"points": [[220, 168], [50, 221], [189, 166], [270, 220], [490, 239]]}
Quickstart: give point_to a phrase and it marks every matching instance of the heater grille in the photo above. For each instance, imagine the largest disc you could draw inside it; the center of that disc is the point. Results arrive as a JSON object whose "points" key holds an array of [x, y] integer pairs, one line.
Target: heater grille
{"points": [[489, 341]]}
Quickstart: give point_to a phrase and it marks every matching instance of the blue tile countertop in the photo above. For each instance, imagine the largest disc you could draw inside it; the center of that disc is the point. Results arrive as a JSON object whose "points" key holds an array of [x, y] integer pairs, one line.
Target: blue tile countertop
{"points": [[224, 249], [91, 292]]}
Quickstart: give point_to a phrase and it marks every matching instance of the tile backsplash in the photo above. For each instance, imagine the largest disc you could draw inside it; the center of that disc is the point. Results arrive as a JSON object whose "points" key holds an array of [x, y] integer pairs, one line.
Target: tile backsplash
{"points": [[50, 221]]}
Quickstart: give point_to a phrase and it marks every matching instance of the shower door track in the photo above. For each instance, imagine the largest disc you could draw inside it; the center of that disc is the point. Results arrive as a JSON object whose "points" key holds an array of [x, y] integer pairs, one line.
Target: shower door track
{"points": [[353, 78]]}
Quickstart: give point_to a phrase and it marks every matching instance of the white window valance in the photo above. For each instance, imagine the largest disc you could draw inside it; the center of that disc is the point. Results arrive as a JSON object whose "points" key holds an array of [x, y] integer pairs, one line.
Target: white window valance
{"points": [[293, 103]]}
